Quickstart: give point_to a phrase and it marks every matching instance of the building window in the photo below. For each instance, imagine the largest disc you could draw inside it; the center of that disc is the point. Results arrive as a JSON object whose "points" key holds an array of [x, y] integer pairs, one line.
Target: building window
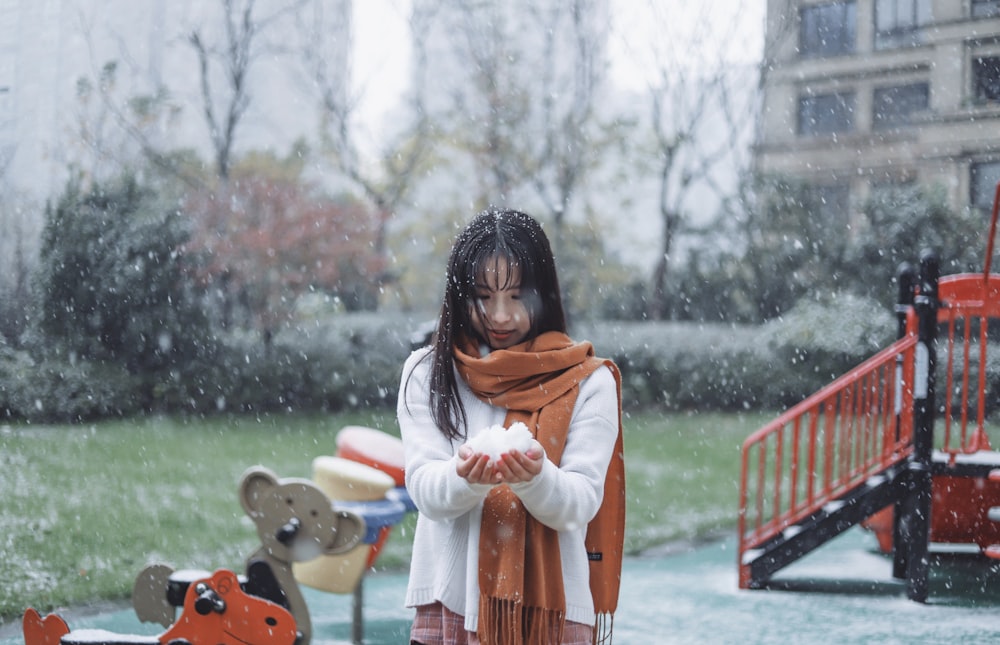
{"points": [[827, 29], [985, 8], [986, 78], [895, 106], [826, 113], [898, 23], [983, 178]]}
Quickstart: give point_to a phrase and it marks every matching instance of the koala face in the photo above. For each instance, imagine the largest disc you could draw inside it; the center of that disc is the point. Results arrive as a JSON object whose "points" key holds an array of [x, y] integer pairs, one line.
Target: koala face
{"points": [[295, 520]]}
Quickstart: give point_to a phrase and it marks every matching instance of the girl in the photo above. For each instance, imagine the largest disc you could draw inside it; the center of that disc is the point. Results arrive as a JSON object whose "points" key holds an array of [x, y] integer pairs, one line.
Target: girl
{"points": [[525, 548]]}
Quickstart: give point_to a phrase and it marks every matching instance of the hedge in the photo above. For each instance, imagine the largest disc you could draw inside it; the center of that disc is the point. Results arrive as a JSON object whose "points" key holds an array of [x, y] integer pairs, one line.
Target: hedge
{"points": [[354, 361]]}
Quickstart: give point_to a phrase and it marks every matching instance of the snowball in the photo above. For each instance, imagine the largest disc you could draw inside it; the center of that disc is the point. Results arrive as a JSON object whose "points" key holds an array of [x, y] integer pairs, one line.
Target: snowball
{"points": [[497, 440]]}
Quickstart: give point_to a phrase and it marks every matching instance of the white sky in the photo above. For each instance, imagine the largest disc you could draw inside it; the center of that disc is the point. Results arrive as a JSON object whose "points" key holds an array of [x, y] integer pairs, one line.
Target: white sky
{"points": [[381, 71]]}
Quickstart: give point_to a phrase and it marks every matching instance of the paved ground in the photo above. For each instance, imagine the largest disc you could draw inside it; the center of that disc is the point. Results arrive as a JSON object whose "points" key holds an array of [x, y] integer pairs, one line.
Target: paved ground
{"points": [[842, 593]]}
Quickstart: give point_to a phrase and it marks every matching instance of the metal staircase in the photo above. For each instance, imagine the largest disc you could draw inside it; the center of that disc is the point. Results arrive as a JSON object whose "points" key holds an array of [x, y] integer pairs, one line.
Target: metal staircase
{"points": [[826, 465], [866, 442], [832, 519]]}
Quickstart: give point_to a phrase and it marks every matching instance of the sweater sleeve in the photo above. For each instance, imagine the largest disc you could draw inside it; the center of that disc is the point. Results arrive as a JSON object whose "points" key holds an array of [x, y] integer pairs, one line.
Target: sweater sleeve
{"points": [[567, 496], [430, 459]]}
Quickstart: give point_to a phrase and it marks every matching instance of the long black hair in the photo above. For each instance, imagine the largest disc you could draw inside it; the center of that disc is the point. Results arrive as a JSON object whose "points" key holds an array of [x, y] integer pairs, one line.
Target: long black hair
{"points": [[494, 235]]}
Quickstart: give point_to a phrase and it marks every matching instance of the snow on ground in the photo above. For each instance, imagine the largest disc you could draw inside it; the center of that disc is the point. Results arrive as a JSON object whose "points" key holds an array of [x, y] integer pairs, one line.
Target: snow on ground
{"points": [[844, 594]]}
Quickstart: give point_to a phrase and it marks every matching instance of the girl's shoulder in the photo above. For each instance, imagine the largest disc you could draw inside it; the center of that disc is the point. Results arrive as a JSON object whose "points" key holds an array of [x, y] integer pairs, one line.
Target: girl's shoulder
{"points": [[420, 352], [417, 358], [600, 379]]}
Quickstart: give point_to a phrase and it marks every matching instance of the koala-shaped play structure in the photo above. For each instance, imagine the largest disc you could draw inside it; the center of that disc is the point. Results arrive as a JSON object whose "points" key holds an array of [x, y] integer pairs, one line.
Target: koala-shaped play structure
{"points": [[215, 610], [295, 521]]}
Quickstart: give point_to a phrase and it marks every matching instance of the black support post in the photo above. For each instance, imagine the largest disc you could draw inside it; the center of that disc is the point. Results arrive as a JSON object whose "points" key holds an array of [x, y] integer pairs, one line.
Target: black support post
{"points": [[917, 519], [358, 613], [907, 282]]}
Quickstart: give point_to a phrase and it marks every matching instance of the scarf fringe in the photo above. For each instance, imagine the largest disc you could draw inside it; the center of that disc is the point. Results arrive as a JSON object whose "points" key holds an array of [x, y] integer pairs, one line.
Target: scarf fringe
{"points": [[509, 622], [603, 628]]}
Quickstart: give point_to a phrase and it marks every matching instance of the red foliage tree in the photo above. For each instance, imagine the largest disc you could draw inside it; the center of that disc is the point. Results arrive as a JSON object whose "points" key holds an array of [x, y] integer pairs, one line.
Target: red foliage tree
{"points": [[260, 242]]}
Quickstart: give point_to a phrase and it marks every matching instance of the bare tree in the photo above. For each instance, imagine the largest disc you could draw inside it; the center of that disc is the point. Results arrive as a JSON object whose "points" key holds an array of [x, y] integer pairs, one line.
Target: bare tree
{"points": [[489, 99], [700, 116], [228, 42], [119, 124], [573, 71], [386, 182], [523, 105], [224, 69]]}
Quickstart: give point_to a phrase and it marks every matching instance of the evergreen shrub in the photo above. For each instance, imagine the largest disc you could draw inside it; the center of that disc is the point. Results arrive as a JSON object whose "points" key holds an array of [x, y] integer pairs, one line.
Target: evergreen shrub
{"points": [[50, 391], [715, 366], [348, 361], [342, 362]]}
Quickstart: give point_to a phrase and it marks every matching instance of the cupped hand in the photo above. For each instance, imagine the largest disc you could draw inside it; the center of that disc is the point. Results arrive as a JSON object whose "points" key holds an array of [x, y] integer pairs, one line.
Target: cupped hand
{"points": [[475, 467], [511, 468], [517, 467]]}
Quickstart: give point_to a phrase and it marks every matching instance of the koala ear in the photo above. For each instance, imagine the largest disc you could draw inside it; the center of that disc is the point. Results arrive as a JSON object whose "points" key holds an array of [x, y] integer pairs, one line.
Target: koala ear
{"points": [[350, 529], [254, 486]]}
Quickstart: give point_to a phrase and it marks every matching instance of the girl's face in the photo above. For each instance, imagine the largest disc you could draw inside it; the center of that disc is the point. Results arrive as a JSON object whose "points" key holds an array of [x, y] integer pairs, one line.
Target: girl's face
{"points": [[499, 315]]}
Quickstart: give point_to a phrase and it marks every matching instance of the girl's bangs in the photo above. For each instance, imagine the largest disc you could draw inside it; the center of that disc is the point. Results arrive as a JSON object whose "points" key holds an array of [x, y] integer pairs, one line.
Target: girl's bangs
{"points": [[490, 260]]}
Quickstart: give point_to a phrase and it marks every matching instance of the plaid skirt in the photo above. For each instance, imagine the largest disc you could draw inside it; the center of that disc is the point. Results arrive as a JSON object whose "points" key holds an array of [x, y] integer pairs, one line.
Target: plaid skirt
{"points": [[435, 624]]}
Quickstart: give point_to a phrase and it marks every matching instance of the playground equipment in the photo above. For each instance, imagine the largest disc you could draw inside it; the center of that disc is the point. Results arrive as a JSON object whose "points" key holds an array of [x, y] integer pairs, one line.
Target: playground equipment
{"points": [[367, 467], [216, 610], [366, 476], [299, 522], [863, 450]]}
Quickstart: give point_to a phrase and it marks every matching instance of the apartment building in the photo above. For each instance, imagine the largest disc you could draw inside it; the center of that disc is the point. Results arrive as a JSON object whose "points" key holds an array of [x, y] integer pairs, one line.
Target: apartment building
{"points": [[860, 94]]}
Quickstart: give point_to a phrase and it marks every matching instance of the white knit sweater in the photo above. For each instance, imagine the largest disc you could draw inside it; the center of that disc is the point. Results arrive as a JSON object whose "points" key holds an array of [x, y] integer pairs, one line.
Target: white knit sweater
{"points": [[445, 559]]}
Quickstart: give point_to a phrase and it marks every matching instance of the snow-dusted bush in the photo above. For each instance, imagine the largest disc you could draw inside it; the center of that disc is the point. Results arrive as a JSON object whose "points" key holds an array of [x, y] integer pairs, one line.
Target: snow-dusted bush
{"points": [[966, 401], [684, 365], [992, 395], [840, 325], [354, 361], [821, 339], [703, 366], [344, 361], [53, 391]]}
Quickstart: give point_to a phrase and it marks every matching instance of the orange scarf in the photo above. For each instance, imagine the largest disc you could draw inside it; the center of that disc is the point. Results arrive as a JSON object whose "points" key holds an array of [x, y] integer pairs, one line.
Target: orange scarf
{"points": [[520, 572]]}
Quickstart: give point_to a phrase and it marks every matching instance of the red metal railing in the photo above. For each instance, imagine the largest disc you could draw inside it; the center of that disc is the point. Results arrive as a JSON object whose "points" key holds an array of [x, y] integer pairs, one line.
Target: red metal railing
{"points": [[852, 429], [862, 423], [968, 303]]}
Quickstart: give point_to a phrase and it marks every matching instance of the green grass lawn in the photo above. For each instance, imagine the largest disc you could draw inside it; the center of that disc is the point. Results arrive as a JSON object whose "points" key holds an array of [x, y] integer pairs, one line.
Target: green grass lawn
{"points": [[84, 508]]}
